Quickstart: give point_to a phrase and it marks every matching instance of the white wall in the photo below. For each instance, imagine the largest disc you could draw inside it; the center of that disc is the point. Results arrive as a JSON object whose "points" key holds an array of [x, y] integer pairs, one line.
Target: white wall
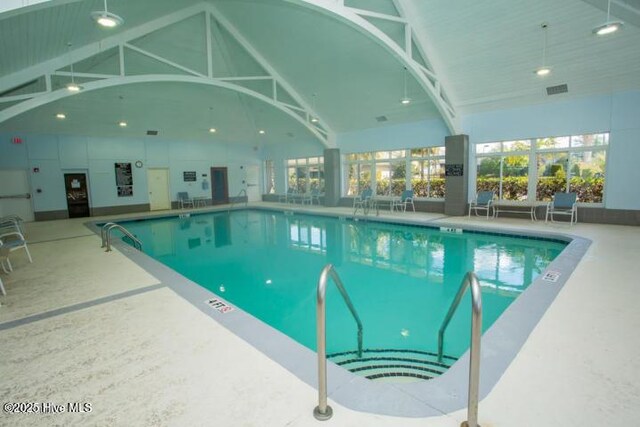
{"points": [[54, 155]]}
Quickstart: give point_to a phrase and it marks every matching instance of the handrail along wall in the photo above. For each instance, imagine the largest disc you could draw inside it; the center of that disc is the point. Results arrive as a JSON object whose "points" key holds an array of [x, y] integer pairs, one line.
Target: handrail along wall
{"points": [[470, 281], [323, 411]]}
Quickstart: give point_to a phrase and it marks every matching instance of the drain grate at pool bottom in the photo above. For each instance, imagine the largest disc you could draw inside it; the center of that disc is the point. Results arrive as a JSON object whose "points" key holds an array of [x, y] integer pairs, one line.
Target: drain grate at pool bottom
{"points": [[393, 365]]}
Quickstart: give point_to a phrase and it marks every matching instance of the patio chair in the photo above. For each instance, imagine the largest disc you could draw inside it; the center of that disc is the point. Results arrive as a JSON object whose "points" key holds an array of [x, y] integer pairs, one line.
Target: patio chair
{"points": [[287, 196], [483, 202], [12, 221], [404, 200], [4, 257], [563, 204], [12, 241], [363, 200], [311, 197], [185, 200]]}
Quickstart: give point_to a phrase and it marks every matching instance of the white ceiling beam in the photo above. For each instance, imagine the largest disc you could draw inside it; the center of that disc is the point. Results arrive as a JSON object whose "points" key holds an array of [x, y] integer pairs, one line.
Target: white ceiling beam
{"points": [[84, 75], [344, 14], [36, 71], [163, 60], [158, 78], [378, 15]]}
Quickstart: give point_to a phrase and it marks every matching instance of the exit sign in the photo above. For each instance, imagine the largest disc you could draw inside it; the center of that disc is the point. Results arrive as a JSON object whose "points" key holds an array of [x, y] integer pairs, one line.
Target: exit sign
{"points": [[16, 140]]}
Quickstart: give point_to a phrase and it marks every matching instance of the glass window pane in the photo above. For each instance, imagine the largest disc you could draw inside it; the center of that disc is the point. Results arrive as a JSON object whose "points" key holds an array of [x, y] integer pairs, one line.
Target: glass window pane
{"points": [[270, 184], [398, 178], [365, 156], [549, 143], [313, 160], [591, 140], [397, 154], [419, 152], [292, 179], [352, 157], [302, 180], [420, 178], [523, 145], [490, 147], [438, 151], [364, 178], [552, 175], [351, 181], [488, 174], [587, 175], [515, 177], [291, 162], [383, 178], [381, 155], [436, 181]]}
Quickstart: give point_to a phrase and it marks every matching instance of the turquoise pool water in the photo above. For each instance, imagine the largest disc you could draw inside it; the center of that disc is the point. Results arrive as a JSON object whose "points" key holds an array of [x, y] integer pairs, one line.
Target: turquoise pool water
{"points": [[401, 279]]}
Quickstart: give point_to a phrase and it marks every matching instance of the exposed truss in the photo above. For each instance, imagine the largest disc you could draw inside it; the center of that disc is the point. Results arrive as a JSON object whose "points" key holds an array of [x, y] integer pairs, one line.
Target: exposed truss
{"points": [[301, 111], [422, 72], [358, 19]]}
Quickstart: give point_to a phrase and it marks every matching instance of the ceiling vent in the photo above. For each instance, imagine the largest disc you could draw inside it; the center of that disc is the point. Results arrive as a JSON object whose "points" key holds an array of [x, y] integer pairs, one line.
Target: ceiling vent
{"points": [[152, 132], [554, 90], [381, 119]]}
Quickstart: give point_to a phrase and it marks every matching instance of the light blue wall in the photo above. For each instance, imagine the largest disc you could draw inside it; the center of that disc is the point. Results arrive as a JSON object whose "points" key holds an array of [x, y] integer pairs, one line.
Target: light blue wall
{"points": [[617, 113], [425, 133], [55, 155]]}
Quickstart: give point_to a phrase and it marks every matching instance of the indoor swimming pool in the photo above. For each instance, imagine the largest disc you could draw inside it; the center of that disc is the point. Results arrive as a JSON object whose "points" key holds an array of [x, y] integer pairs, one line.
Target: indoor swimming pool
{"points": [[401, 278]]}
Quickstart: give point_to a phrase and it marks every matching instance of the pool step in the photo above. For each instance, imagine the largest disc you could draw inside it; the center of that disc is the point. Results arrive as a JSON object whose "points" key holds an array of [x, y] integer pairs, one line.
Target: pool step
{"points": [[393, 365]]}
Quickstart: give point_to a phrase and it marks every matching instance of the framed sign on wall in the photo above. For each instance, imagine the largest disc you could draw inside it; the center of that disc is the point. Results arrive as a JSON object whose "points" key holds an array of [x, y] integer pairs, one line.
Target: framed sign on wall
{"points": [[124, 179]]}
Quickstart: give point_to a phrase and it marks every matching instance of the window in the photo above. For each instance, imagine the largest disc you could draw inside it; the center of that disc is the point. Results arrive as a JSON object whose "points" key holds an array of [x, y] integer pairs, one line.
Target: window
{"points": [[538, 168], [389, 173], [306, 174], [270, 177]]}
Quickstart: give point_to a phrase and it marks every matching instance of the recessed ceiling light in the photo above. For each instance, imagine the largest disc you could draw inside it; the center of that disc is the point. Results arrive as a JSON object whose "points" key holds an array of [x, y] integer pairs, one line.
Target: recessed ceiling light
{"points": [[314, 120], [212, 130], [543, 71], [405, 101], [106, 19], [61, 116], [122, 124], [73, 87], [609, 26], [261, 132]]}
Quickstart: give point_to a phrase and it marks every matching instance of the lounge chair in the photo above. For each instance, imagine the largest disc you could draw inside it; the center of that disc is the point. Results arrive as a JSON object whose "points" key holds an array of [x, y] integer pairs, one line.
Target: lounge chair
{"points": [[12, 221], [11, 241], [563, 204], [185, 200], [363, 200], [404, 200], [483, 202], [288, 196]]}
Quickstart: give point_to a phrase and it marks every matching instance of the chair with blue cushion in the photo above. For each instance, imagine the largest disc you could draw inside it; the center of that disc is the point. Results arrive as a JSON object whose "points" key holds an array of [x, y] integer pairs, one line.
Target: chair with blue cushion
{"points": [[185, 200], [405, 200], [363, 201], [483, 202], [563, 204]]}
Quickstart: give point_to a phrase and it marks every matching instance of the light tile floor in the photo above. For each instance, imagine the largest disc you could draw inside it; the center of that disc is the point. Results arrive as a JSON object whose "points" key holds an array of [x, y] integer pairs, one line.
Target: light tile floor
{"points": [[152, 359]]}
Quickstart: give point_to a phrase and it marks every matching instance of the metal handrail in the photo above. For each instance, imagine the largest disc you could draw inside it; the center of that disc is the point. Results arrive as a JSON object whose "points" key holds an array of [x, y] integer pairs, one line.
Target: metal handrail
{"points": [[246, 203], [470, 280], [323, 411], [103, 233], [110, 226]]}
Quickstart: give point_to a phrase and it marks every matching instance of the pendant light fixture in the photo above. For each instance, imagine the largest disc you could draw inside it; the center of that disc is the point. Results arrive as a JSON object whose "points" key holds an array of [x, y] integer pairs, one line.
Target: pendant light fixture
{"points": [[72, 86], [609, 26], [106, 19], [314, 119], [544, 70], [405, 100], [211, 129]]}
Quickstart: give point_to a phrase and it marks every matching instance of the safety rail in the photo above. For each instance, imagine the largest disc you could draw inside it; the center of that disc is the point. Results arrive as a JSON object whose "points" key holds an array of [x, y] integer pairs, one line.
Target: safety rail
{"points": [[323, 411], [105, 233], [240, 193], [470, 280]]}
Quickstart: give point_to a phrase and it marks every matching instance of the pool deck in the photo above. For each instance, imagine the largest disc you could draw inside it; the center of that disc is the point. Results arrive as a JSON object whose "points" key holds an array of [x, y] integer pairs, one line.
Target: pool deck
{"points": [[79, 325]]}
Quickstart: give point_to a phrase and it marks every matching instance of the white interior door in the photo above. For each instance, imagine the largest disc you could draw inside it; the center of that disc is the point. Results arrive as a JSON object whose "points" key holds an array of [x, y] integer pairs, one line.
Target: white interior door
{"points": [[14, 188], [253, 183], [158, 181]]}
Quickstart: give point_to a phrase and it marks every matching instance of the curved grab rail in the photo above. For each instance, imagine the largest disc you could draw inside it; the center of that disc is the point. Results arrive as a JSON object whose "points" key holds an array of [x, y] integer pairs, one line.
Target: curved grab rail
{"points": [[246, 203], [107, 231], [470, 280], [323, 411], [103, 233]]}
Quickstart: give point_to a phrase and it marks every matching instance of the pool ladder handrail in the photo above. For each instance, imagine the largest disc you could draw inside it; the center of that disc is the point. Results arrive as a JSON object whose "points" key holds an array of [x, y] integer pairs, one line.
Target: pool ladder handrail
{"points": [[246, 203], [323, 411], [105, 233], [470, 281]]}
